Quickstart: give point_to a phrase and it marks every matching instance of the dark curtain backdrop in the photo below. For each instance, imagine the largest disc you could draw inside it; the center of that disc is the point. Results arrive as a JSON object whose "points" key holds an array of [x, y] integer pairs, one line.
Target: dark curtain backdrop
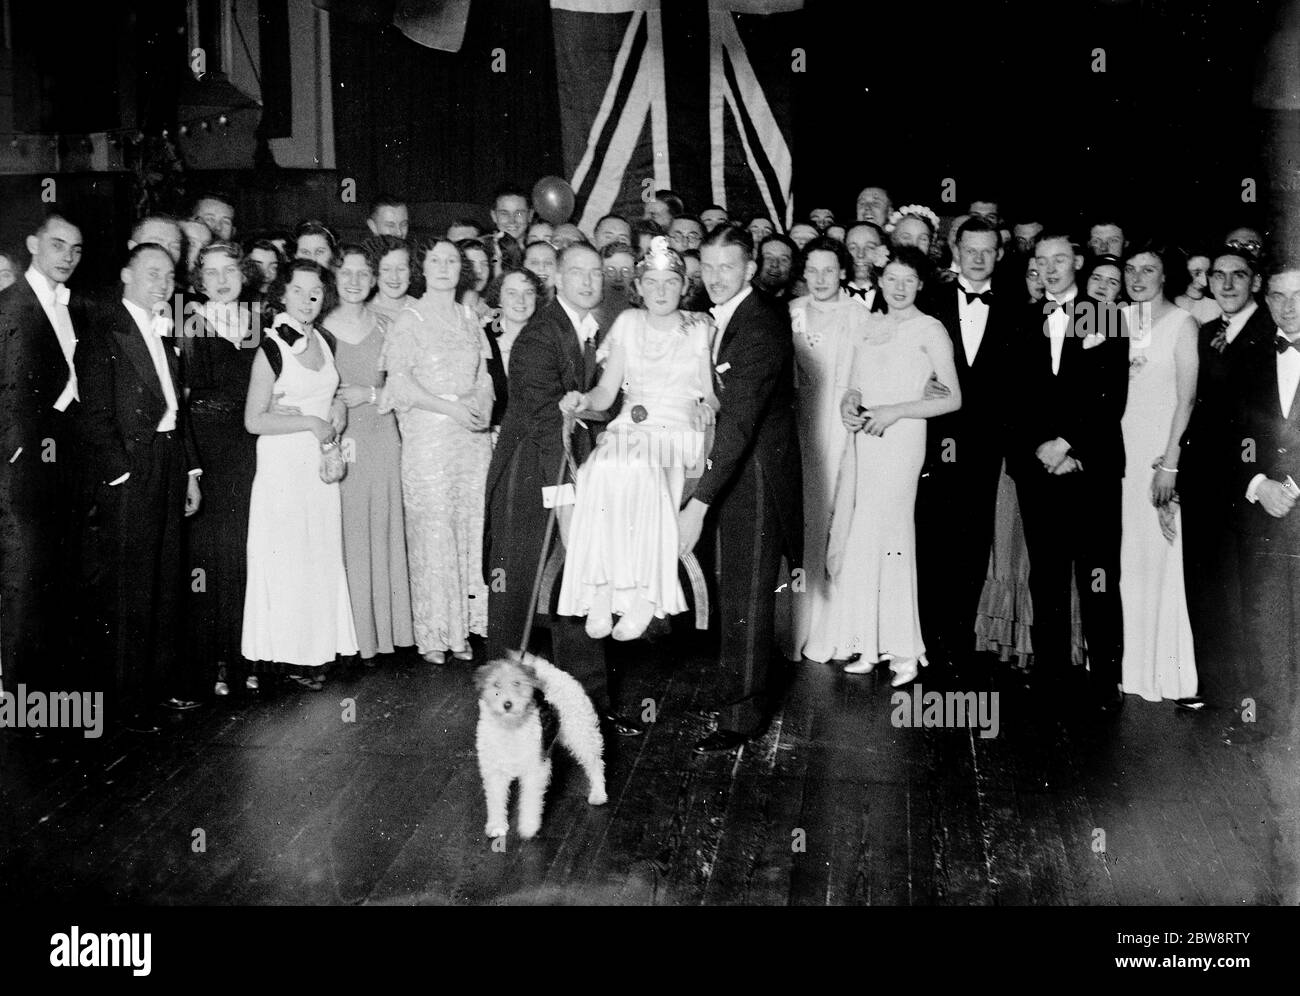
{"points": [[437, 126]]}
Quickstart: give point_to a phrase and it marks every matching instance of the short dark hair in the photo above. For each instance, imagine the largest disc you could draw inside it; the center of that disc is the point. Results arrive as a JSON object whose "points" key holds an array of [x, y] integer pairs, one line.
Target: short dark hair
{"points": [[610, 217], [915, 260], [717, 207], [266, 245], [1172, 261], [690, 217], [538, 242], [784, 240], [211, 195], [284, 277], [1249, 258], [492, 292], [676, 206], [730, 235], [52, 216], [646, 226], [379, 246], [1050, 233], [466, 223], [977, 224], [824, 243], [510, 190], [385, 200], [313, 227]]}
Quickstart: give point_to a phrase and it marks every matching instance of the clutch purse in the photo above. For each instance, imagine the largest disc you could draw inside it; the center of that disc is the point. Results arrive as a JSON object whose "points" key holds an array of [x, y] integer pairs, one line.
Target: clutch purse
{"points": [[332, 465]]}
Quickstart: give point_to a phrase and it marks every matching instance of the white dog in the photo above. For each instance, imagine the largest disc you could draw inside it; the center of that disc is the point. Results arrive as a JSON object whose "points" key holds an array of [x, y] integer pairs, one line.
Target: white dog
{"points": [[509, 738]]}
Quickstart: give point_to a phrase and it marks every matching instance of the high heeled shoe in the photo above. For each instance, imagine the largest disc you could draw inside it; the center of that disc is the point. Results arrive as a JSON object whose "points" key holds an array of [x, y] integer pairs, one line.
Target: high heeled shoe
{"points": [[905, 672], [860, 666], [634, 622], [463, 655], [435, 656], [599, 625]]}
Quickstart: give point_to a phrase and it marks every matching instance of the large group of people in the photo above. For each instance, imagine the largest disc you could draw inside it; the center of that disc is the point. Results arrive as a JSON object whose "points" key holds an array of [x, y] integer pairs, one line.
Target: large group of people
{"points": [[258, 457]]}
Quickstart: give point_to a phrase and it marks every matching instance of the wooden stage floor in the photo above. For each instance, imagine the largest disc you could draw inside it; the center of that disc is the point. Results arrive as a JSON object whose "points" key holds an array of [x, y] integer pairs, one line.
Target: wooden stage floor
{"points": [[834, 806]]}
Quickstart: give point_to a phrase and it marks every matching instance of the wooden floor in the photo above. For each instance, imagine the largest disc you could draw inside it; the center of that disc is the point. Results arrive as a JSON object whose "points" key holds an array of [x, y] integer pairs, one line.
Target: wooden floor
{"points": [[833, 806]]}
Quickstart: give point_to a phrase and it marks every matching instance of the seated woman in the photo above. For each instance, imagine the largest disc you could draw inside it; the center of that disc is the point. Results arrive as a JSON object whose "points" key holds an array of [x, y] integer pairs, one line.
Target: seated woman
{"points": [[621, 548]]}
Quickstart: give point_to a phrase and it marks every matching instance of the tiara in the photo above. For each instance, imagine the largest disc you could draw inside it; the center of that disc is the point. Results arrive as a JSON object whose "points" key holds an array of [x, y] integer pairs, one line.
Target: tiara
{"points": [[661, 256], [913, 211]]}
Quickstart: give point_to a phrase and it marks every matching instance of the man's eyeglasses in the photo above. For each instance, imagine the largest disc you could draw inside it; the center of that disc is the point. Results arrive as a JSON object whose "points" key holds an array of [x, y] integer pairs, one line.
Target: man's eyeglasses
{"points": [[617, 271]]}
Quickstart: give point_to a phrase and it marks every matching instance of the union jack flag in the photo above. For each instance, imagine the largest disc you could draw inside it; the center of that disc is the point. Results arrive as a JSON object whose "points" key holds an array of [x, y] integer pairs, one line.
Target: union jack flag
{"points": [[670, 96]]}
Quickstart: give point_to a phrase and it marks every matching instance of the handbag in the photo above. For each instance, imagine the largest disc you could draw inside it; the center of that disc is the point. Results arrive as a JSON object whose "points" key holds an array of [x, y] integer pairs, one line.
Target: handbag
{"points": [[332, 464]]}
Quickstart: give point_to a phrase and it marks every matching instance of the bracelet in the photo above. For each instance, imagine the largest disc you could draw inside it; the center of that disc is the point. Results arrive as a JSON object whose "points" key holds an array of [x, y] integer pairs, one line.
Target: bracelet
{"points": [[1167, 470], [374, 397]]}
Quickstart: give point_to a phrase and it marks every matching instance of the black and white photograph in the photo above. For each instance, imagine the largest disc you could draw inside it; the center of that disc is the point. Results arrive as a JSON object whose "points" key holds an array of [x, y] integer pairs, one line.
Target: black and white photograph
{"points": [[649, 453]]}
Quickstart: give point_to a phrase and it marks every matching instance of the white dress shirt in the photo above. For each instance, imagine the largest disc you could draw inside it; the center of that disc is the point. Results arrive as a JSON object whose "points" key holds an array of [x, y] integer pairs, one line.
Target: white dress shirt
{"points": [[1288, 378], [722, 315], [587, 326], [152, 330], [974, 318], [1238, 321], [869, 300], [54, 301], [1058, 323]]}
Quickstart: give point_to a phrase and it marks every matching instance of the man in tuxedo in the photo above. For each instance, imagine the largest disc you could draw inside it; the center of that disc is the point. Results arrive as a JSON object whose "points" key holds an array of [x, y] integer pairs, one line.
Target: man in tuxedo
{"points": [[957, 497], [1066, 454], [1208, 489], [137, 439], [1268, 424], [776, 277], [873, 205], [863, 241], [39, 324], [750, 495], [554, 354], [389, 216]]}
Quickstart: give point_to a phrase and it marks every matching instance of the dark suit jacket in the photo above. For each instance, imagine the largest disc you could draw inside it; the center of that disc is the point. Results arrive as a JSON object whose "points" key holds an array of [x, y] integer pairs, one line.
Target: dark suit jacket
{"points": [[1276, 435], [1082, 403], [980, 424], [1211, 452], [33, 372], [757, 421], [545, 364], [121, 397]]}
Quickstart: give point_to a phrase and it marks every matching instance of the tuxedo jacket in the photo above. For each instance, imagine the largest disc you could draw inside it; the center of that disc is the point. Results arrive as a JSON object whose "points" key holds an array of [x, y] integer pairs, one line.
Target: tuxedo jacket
{"points": [[1276, 438], [1084, 401], [756, 423], [122, 399], [545, 364], [33, 372], [980, 424], [1211, 452]]}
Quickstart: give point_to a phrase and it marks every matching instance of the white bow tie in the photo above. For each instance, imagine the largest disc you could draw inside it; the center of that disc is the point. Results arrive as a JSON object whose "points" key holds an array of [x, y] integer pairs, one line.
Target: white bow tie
{"points": [[161, 325], [62, 295]]}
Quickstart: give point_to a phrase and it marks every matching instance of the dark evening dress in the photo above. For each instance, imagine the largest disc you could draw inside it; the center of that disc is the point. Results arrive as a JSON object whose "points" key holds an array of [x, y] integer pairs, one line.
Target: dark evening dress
{"points": [[217, 372]]}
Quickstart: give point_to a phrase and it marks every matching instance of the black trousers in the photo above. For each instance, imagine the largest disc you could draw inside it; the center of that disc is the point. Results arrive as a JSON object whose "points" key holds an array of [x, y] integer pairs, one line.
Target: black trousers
{"points": [[39, 607], [518, 526], [135, 573], [1270, 672], [747, 570], [956, 506], [1072, 525], [1213, 576]]}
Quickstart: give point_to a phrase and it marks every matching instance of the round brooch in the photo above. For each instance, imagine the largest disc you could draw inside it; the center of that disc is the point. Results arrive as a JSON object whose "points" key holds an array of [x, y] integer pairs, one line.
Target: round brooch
{"points": [[639, 414]]}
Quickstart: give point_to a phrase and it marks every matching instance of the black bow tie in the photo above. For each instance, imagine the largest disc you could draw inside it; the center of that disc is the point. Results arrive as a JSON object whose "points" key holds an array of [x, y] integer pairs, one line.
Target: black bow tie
{"points": [[861, 292], [972, 297], [1283, 344], [287, 333]]}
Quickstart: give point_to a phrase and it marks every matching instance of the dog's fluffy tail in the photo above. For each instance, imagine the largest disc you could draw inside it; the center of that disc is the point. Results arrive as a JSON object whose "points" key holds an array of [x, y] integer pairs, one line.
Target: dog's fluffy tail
{"points": [[567, 695]]}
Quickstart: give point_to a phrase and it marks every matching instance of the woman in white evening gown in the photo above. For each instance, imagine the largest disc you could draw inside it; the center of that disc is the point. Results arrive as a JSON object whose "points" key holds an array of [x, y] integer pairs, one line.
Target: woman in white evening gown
{"points": [[1159, 661], [871, 606], [297, 613], [621, 550], [826, 325]]}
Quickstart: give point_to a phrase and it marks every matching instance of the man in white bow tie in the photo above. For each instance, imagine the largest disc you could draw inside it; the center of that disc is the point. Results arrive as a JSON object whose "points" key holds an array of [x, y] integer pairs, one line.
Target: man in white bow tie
{"points": [[38, 402], [145, 468]]}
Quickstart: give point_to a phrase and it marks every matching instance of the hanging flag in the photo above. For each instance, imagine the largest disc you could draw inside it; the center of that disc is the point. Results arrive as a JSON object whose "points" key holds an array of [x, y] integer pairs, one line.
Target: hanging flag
{"points": [[639, 101]]}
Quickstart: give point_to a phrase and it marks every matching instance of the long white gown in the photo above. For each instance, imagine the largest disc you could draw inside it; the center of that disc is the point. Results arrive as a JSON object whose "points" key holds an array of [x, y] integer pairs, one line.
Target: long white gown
{"points": [[825, 335], [296, 606], [870, 606], [1159, 661], [623, 533]]}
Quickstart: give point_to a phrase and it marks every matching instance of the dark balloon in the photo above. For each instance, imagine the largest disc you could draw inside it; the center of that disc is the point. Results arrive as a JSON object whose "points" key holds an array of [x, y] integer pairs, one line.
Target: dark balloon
{"points": [[553, 199]]}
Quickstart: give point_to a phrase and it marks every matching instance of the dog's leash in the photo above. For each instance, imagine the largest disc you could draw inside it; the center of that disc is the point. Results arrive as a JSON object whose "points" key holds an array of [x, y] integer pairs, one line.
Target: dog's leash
{"points": [[566, 463]]}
